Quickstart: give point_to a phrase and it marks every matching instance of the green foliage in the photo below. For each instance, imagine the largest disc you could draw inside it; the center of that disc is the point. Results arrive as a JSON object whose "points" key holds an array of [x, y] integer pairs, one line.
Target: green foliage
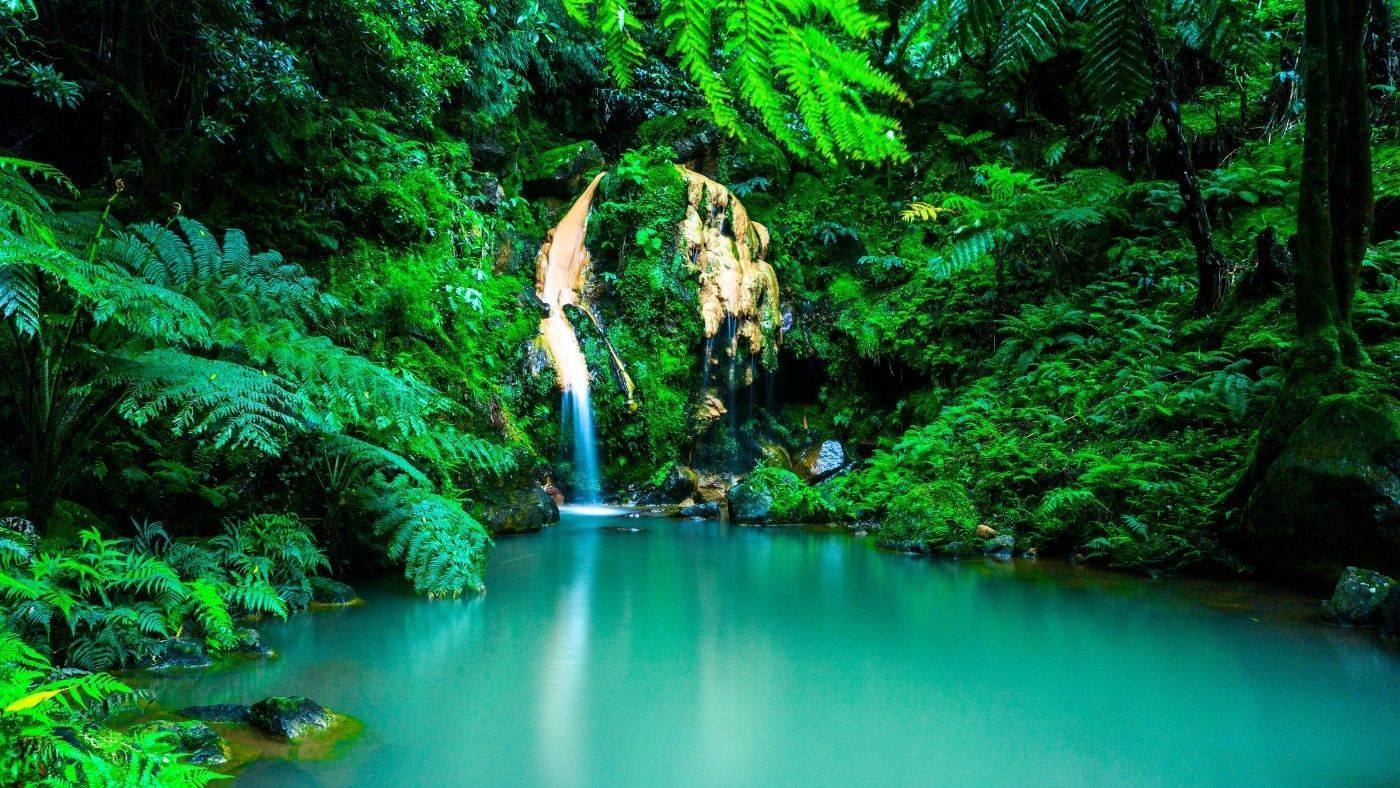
{"points": [[51, 731], [794, 501], [927, 517], [797, 65]]}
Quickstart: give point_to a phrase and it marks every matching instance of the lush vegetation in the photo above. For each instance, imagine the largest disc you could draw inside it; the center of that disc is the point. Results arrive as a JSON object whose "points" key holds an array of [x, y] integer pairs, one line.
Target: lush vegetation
{"points": [[1044, 268]]}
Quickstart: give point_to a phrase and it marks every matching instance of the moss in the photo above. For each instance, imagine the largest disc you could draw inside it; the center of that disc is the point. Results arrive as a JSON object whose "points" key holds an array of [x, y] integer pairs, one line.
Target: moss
{"points": [[928, 518]]}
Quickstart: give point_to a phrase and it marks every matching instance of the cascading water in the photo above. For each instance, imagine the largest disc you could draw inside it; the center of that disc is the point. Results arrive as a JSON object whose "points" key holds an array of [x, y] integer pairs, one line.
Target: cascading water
{"points": [[563, 264]]}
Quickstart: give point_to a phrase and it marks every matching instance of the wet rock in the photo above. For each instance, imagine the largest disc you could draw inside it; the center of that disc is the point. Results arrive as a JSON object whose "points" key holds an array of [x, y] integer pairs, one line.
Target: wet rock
{"points": [[217, 712], [748, 504], [821, 461], [288, 716], [562, 172], [205, 747], [178, 654], [249, 641], [712, 491], [1358, 596], [708, 510], [1389, 616], [680, 483], [326, 591], [1332, 498], [1002, 545], [527, 510]]}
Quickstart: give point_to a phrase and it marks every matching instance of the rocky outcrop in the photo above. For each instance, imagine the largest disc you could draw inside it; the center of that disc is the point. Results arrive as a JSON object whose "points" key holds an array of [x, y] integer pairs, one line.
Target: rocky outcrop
{"points": [[526, 510], [560, 172], [748, 503], [288, 716], [249, 641], [325, 591], [1332, 497], [680, 483], [178, 654], [199, 741], [821, 461], [1359, 596]]}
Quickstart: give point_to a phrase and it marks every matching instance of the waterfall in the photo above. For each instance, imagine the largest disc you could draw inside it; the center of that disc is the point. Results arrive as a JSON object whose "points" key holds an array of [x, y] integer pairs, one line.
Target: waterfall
{"points": [[563, 267]]}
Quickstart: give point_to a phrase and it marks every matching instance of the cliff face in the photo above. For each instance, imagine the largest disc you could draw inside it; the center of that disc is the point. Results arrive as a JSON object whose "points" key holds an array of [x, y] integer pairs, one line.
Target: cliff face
{"points": [[736, 291]]}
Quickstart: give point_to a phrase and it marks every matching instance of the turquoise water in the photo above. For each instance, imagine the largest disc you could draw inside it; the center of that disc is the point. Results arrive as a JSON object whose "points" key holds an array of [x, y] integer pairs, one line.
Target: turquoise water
{"points": [[699, 653]]}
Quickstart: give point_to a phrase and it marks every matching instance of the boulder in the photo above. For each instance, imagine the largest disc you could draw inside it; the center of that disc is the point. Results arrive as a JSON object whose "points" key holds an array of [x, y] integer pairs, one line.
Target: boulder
{"points": [[525, 511], [288, 716], [748, 503], [712, 491], [562, 172], [1358, 596], [1002, 545], [820, 461], [708, 510], [1332, 497], [249, 641], [680, 483], [217, 712], [984, 531], [178, 654], [205, 747], [326, 591]]}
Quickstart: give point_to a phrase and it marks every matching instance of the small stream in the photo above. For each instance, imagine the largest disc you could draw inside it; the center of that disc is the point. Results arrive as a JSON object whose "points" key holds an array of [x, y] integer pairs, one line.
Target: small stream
{"points": [[699, 653]]}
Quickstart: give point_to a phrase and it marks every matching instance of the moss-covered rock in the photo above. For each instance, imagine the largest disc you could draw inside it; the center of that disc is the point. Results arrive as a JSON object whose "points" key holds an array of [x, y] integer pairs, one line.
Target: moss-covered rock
{"points": [[525, 510], [934, 518], [562, 172], [289, 716], [1358, 596], [177, 654], [325, 591], [679, 483], [749, 503], [200, 741], [1332, 497], [249, 641]]}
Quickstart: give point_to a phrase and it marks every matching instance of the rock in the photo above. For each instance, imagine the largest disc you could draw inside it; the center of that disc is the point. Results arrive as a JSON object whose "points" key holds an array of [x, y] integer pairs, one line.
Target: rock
{"points": [[1030, 554], [1332, 497], [708, 510], [1389, 615], [821, 461], [288, 716], [680, 483], [249, 640], [712, 491], [555, 494], [1358, 596], [526, 511], [326, 591], [748, 504], [178, 654], [205, 747], [217, 712], [562, 172], [1002, 545], [984, 531]]}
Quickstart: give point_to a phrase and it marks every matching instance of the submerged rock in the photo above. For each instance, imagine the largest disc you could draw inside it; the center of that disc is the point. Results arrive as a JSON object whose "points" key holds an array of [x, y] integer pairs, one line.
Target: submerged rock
{"points": [[326, 591], [204, 745], [526, 511], [1389, 615], [821, 461], [748, 503], [1332, 498], [288, 716], [217, 712], [1358, 596], [178, 654]]}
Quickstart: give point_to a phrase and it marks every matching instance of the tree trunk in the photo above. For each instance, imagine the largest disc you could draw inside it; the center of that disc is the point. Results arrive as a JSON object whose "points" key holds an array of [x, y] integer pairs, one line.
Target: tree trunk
{"points": [[1210, 264], [1335, 209]]}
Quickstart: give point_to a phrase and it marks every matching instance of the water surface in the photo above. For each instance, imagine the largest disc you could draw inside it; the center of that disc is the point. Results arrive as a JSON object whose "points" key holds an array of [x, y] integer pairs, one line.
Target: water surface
{"points": [[699, 653]]}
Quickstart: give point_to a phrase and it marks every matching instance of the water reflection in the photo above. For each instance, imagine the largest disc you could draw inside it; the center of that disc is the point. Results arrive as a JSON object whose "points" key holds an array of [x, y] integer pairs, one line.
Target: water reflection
{"points": [[698, 653]]}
